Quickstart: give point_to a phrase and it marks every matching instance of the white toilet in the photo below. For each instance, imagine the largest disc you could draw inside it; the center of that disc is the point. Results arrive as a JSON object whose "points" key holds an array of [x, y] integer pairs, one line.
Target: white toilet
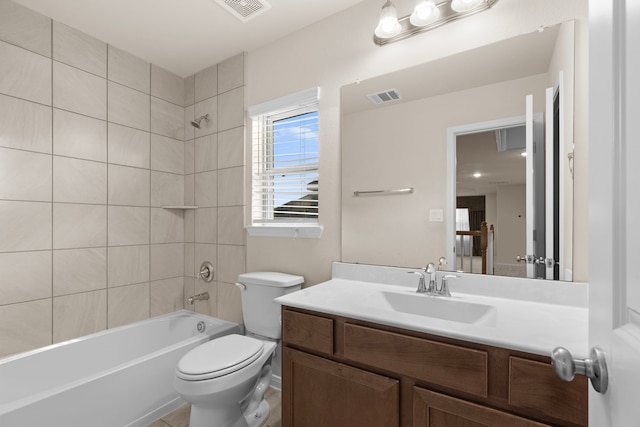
{"points": [[225, 379]]}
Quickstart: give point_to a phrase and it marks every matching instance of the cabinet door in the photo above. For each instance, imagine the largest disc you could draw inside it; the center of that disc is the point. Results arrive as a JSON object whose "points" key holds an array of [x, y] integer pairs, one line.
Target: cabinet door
{"points": [[432, 409], [319, 392]]}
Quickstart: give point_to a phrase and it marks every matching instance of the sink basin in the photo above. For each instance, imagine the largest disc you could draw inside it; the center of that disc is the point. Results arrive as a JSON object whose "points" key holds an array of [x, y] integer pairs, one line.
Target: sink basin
{"points": [[440, 308]]}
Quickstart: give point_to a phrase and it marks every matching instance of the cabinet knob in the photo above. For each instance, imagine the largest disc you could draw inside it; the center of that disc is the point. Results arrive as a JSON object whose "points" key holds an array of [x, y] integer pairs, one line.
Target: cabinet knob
{"points": [[595, 367]]}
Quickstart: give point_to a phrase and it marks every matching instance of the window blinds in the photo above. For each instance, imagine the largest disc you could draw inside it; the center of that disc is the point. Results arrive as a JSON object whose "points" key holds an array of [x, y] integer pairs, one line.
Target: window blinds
{"points": [[285, 160]]}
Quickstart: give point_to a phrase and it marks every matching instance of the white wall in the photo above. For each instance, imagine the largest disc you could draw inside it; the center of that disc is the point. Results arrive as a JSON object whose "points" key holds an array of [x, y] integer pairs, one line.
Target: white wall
{"points": [[338, 51]]}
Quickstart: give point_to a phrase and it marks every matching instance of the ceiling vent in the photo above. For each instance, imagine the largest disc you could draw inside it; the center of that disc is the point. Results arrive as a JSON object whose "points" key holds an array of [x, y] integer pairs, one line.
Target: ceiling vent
{"points": [[384, 96], [245, 10]]}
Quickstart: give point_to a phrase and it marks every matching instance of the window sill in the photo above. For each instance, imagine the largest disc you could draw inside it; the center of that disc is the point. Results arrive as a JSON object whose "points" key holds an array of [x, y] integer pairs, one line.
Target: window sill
{"points": [[302, 231]]}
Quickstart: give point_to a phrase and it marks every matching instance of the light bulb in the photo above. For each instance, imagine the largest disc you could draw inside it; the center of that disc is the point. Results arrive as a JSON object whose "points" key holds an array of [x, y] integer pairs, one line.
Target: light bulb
{"points": [[388, 26], [464, 5], [424, 13]]}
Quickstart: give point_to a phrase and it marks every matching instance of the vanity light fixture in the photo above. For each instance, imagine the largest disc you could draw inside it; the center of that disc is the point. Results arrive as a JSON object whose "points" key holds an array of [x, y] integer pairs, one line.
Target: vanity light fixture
{"points": [[426, 15], [388, 26], [464, 5], [477, 175]]}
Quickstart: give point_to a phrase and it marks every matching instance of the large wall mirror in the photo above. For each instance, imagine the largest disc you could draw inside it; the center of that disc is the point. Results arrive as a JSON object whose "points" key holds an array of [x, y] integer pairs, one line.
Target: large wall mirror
{"points": [[398, 201]]}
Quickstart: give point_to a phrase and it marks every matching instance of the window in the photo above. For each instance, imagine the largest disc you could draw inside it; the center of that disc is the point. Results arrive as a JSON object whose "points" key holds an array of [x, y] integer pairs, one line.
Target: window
{"points": [[284, 199]]}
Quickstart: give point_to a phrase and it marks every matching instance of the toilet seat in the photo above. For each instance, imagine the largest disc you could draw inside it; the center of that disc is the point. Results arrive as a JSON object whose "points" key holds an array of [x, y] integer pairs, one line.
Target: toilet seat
{"points": [[219, 357]]}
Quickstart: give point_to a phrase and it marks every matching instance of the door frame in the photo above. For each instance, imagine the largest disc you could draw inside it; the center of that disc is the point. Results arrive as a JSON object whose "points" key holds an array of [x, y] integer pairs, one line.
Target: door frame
{"points": [[452, 133]]}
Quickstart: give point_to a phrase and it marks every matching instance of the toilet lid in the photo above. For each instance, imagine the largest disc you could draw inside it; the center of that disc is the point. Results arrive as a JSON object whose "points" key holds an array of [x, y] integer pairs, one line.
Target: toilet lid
{"points": [[218, 357]]}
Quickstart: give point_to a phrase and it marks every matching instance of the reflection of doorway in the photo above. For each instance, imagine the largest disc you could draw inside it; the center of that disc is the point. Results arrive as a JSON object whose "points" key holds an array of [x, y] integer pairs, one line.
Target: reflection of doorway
{"points": [[476, 209]]}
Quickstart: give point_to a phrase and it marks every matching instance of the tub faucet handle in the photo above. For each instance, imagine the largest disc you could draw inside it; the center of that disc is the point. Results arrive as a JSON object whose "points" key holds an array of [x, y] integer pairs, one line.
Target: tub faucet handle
{"points": [[206, 272]]}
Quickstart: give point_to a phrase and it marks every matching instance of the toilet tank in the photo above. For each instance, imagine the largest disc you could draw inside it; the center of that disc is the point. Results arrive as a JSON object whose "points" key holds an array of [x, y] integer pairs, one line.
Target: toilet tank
{"points": [[260, 313]]}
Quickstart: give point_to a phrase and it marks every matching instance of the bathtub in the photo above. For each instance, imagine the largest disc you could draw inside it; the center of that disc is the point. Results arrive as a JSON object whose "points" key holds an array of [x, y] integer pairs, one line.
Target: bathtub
{"points": [[119, 377]]}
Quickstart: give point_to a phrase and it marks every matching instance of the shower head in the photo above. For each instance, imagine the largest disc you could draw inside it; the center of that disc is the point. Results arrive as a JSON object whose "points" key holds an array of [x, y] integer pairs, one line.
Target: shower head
{"points": [[196, 122]]}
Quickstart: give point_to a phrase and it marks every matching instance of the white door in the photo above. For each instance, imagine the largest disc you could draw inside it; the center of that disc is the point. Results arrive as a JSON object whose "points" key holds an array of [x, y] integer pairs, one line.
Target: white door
{"points": [[614, 175], [534, 224], [549, 181]]}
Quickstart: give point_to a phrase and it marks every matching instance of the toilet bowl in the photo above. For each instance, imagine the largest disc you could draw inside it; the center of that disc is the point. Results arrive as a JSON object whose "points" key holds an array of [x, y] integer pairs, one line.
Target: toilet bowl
{"points": [[225, 379], [226, 390]]}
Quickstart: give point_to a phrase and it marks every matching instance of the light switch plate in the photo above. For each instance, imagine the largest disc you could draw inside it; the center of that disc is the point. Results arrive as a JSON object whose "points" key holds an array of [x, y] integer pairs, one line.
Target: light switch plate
{"points": [[435, 215]]}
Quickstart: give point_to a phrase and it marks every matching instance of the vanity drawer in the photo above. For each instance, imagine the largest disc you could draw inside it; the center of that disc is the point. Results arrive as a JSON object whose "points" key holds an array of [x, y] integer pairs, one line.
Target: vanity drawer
{"points": [[307, 331], [447, 365], [535, 386]]}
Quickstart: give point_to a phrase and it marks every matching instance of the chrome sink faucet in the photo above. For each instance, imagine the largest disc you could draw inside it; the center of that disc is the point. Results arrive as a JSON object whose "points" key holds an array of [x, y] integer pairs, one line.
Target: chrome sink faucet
{"points": [[433, 289]]}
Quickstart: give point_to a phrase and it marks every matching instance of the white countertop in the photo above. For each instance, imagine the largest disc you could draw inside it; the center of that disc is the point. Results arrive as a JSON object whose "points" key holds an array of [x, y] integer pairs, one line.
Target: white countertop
{"points": [[533, 318]]}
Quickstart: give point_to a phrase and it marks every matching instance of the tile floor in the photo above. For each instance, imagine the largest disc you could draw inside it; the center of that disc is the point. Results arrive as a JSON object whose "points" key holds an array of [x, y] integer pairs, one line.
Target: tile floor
{"points": [[180, 417]]}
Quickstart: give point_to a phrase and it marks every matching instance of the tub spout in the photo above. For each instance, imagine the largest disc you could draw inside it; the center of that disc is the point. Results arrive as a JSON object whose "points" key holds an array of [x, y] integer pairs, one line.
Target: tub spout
{"points": [[199, 297]]}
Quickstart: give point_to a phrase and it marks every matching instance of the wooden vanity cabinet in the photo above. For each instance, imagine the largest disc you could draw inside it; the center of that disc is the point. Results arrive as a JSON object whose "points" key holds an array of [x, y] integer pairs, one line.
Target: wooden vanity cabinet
{"points": [[338, 371]]}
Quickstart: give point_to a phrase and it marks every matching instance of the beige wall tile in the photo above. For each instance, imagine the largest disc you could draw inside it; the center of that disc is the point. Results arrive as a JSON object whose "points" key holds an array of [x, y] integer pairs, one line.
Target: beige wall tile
{"points": [[166, 85], [78, 49], [79, 181], [167, 119], [231, 262], [231, 225], [189, 259], [25, 276], [129, 186], [129, 70], [25, 175], [206, 220], [76, 135], [189, 189], [206, 83], [167, 154], [167, 261], [167, 189], [189, 156], [167, 296], [167, 225], [79, 314], [206, 189], [79, 270], [128, 107], [189, 130], [25, 125], [190, 226], [128, 304], [79, 226], [30, 226], [128, 265], [189, 289], [78, 91], [231, 148], [231, 73], [231, 109], [25, 74], [25, 326], [129, 146], [190, 90], [206, 153], [128, 225], [229, 302], [231, 187], [208, 106], [25, 28]]}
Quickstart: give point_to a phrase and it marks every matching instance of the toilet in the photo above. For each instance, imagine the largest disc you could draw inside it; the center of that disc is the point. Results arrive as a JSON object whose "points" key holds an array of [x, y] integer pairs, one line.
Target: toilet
{"points": [[225, 379]]}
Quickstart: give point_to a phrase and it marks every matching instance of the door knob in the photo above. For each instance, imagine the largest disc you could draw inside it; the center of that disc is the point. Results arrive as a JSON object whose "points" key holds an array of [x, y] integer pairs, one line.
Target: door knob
{"points": [[595, 367]]}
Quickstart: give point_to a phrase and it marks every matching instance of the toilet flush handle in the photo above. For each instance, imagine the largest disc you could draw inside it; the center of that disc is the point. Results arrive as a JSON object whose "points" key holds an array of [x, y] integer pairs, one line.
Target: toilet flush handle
{"points": [[241, 286]]}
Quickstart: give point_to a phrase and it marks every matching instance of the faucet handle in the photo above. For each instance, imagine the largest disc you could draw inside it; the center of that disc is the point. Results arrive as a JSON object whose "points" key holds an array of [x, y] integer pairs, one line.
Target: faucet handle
{"points": [[444, 288], [422, 287]]}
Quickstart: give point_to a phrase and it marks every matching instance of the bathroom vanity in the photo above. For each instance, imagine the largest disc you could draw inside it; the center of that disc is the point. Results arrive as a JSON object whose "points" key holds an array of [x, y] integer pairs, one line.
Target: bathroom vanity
{"points": [[358, 351]]}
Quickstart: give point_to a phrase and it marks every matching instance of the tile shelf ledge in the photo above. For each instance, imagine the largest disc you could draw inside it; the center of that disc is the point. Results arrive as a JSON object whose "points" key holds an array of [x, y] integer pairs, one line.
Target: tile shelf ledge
{"points": [[180, 207]]}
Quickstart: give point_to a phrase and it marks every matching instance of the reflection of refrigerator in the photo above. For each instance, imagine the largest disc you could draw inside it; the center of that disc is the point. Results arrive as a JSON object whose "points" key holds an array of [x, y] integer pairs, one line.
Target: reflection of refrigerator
{"points": [[464, 244]]}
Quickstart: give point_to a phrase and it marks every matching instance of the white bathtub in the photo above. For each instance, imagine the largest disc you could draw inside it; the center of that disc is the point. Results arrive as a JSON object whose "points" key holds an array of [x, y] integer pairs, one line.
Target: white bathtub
{"points": [[119, 377]]}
